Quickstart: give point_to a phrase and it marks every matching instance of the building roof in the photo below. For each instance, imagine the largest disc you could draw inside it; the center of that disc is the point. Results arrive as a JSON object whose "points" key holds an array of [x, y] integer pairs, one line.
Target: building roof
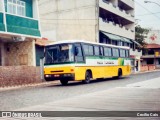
{"points": [[153, 45]]}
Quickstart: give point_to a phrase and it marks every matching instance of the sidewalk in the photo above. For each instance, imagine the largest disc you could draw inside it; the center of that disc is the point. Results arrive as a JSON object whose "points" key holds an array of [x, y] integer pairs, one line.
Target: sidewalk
{"points": [[28, 85], [145, 71]]}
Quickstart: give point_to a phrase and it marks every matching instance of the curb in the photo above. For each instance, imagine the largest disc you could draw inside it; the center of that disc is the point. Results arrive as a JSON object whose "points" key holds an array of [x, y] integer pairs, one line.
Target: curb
{"points": [[145, 72], [28, 85]]}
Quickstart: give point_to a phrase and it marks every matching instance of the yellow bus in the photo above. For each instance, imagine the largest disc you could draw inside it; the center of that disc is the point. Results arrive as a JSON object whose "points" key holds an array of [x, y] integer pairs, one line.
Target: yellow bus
{"points": [[78, 60]]}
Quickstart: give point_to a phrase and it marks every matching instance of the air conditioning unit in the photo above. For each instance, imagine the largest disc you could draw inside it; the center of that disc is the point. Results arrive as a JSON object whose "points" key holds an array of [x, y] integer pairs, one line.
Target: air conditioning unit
{"points": [[18, 39]]}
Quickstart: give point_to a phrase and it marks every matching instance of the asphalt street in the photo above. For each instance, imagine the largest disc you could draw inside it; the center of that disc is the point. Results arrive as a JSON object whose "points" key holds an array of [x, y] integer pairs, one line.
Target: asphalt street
{"points": [[31, 96]]}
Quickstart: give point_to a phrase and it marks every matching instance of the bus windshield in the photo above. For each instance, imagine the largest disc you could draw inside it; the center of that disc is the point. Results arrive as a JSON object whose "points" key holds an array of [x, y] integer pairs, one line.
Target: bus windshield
{"points": [[56, 54]]}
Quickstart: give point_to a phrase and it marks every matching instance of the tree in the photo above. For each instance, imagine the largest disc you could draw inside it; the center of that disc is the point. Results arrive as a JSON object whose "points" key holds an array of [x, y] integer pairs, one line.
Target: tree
{"points": [[140, 35]]}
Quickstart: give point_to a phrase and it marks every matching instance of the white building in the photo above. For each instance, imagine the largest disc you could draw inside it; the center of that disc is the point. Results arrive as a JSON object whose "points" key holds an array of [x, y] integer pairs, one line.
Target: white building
{"points": [[151, 57], [104, 21]]}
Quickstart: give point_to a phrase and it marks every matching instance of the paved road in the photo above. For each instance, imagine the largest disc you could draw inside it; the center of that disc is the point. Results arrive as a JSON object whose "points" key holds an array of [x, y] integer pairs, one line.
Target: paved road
{"points": [[20, 98]]}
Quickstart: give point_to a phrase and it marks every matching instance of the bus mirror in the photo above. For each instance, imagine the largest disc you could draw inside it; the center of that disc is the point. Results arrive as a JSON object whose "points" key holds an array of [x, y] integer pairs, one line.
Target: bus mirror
{"points": [[41, 57], [76, 51]]}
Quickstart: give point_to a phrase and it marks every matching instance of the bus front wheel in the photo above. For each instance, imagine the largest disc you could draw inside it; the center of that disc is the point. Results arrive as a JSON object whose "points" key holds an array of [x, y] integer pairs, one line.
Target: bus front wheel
{"points": [[87, 77], [64, 82]]}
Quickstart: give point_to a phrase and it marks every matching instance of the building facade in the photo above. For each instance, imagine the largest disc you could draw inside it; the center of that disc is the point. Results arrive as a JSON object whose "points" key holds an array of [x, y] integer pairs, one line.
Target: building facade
{"points": [[103, 21], [19, 27], [151, 57]]}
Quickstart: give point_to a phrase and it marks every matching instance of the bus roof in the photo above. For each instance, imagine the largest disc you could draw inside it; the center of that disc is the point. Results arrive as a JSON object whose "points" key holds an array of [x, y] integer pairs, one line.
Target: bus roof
{"points": [[84, 41]]}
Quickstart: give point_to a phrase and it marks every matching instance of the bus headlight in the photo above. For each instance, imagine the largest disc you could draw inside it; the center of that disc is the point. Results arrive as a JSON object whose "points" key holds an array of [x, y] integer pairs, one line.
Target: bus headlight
{"points": [[47, 75]]}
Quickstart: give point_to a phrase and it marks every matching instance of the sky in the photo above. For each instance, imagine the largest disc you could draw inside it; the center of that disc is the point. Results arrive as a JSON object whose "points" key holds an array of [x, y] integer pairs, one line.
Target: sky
{"points": [[147, 15]]}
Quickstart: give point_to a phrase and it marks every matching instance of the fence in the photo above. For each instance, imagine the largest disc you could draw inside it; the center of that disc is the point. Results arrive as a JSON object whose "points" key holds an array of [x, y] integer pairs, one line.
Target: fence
{"points": [[147, 68]]}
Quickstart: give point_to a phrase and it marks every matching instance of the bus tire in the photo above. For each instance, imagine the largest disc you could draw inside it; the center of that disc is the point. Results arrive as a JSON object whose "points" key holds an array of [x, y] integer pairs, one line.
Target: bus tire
{"points": [[87, 77], [119, 73], [64, 82]]}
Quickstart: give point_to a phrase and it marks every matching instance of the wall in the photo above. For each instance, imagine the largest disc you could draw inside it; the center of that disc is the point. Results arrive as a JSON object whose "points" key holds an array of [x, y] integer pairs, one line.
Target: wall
{"points": [[68, 19], [19, 75], [147, 68], [20, 53], [1, 5], [2, 54]]}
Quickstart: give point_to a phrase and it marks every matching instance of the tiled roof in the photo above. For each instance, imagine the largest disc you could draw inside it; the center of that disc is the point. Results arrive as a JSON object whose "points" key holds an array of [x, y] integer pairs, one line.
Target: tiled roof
{"points": [[153, 45]]}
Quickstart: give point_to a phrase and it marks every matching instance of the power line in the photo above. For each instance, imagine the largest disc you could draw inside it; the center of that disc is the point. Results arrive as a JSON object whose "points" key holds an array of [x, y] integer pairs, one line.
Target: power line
{"points": [[148, 14], [147, 10]]}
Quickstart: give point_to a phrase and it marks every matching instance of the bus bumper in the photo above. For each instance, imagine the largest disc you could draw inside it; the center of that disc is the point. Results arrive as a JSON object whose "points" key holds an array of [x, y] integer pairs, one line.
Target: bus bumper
{"points": [[66, 76]]}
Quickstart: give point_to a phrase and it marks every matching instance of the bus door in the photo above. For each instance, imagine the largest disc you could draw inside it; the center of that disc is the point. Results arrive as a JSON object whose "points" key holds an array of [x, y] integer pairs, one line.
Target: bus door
{"points": [[79, 58]]}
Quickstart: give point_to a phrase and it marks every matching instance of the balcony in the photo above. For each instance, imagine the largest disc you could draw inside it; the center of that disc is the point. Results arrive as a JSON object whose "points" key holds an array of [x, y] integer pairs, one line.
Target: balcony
{"points": [[150, 56], [110, 27], [116, 10], [22, 25], [128, 2], [135, 52], [2, 28]]}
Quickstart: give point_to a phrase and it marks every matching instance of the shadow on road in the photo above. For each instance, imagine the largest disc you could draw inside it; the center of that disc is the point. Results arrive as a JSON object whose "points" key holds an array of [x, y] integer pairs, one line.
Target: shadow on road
{"points": [[76, 83]]}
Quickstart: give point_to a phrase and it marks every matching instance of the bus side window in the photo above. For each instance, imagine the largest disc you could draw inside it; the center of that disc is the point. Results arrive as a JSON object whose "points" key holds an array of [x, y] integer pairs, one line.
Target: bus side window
{"points": [[96, 50], [79, 55], [122, 53], [127, 53], [107, 51], [88, 49], [115, 52]]}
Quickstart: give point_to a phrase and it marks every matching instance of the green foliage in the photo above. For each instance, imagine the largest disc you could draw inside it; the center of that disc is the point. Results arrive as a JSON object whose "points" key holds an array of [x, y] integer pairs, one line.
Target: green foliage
{"points": [[140, 35]]}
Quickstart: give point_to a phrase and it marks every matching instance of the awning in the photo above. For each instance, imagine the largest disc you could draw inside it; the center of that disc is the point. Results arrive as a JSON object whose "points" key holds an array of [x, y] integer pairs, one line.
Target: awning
{"points": [[136, 42], [112, 37], [117, 38], [126, 40]]}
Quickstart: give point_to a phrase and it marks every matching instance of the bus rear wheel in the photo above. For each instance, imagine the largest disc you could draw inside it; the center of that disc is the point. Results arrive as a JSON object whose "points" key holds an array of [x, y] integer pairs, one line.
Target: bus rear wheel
{"points": [[64, 82], [119, 73], [87, 78]]}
